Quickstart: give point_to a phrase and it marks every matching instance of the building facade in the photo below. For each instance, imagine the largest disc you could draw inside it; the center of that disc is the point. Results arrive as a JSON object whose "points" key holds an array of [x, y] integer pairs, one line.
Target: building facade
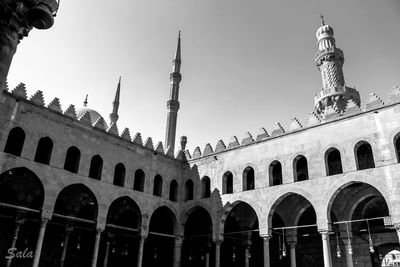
{"points": [[77, 191]]}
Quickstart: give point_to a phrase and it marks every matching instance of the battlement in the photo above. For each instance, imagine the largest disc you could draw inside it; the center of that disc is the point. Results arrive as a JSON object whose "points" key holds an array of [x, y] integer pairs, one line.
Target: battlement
{"points": [[314, 120], [37, 99]]}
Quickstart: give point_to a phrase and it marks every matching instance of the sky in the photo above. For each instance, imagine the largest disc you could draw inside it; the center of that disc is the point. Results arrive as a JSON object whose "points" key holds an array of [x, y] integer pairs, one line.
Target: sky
{"points": [[246, 64]]}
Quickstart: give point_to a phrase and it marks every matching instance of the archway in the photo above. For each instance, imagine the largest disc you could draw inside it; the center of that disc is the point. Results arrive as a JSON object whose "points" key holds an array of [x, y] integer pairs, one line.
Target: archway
{"points": [[242, 244], [21, 201], [358, 213], [70, 235], [121, 242], [197, 245], [159, 246], [295, 237]]}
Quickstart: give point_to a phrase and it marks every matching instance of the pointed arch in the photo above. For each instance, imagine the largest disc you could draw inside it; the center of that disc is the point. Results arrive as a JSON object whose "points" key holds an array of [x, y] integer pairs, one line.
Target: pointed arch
{"points": [[173, 191], [227, 183], [138, 183], [157, 186], [189, 188], [72, 159], [333, 162], [275, 173], [205, 187], [248, 179], [119, 175], [300, 168], [96, 167], [364, 155], [15, 142], [44, 150]]}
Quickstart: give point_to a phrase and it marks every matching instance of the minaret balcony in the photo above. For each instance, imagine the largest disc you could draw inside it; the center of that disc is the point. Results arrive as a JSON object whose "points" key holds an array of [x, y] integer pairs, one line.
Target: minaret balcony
{"points": [[329, 54], [350, 93]]}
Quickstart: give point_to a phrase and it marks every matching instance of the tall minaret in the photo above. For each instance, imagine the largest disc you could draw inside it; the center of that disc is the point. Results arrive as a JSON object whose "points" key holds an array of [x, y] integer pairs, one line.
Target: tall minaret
{"points": [[173, 103], [329, 60], [114, 114]]}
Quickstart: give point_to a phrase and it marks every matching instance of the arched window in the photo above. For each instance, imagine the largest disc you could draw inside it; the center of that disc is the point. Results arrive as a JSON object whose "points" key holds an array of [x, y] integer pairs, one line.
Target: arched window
{"points": [[43, 151], [227, 183], [397, 146], [173, 191], [138, 184], [333, 162], [205, 187], [96, 167], [119, 174], [248, 179], [15, 142], [300, 168], [72, 159], [275, 173], [157, 187], [189, 190], [364, 156]]}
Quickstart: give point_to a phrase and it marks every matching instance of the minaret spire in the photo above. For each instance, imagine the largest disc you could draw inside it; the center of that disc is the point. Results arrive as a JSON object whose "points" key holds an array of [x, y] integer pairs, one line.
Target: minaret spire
{"points": [[329, 60], [173, 103], [114, 114]]}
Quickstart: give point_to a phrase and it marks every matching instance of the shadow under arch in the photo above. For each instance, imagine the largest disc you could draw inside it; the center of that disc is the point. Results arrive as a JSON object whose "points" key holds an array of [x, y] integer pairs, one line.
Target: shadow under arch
{"points": [[240, 231], [197, 243], [72, 228], [159, 245], [121, 239], [21, 200]]}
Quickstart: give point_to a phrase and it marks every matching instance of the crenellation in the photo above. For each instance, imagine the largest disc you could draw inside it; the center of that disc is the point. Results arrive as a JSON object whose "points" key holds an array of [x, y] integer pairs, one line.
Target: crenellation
{"points": [[38, 98], [71, 112], [220, 146], [278, 130], [170, 151], [262, 134], [374, 101], [180, 155], [207, 150], [295, 125], [149, 143], [352, 108], [234, 142], [313, 119], [187, 153], [247, 139], [126, 135], [20, 91], [113, 129], [100, 124], [85, 118], [394, 95], [196, 152], [159, 147], [55, 105], [137, 139]]}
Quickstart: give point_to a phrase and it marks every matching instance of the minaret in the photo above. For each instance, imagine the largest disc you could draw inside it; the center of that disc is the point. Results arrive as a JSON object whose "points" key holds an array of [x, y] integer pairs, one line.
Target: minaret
{"points": [[173, 103], [114, 114], [329, 60]]}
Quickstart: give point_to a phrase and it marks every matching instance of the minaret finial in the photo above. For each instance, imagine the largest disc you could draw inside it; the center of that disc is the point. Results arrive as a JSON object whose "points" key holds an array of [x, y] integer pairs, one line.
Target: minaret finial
{"points": [[85, 102], [322, 19]]}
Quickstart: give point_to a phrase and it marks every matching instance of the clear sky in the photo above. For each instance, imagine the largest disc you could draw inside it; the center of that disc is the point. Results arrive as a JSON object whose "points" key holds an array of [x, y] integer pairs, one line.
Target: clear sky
{"points": [[246, 64]]}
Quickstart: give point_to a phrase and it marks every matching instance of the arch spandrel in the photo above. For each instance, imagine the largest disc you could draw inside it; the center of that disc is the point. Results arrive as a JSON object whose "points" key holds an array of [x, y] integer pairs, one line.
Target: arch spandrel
{"points": [[147, 215]]}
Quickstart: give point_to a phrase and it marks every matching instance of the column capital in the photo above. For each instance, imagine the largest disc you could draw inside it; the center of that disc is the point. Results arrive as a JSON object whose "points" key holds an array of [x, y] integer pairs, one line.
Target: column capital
{"points": [[217, 242], [44, 222], [324, 234], [266, 237], [292, 244], [178, 241]]}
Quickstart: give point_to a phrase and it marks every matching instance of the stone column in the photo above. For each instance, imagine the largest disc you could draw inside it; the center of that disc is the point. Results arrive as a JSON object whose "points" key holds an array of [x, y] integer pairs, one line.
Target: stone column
{"points": [[96, 247], [292, 246], [326, 248], [177, 251], [349, 257], [14, 240], [246, 256], [207, 259], [39, 242], [217, 252], [140, 251], [266, 250], [68, 232], [106, 254]]}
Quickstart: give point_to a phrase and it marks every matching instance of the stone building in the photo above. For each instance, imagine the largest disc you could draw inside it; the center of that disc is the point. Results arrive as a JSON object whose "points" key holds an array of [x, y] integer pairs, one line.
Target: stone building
{"points": [[77, 191]]}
